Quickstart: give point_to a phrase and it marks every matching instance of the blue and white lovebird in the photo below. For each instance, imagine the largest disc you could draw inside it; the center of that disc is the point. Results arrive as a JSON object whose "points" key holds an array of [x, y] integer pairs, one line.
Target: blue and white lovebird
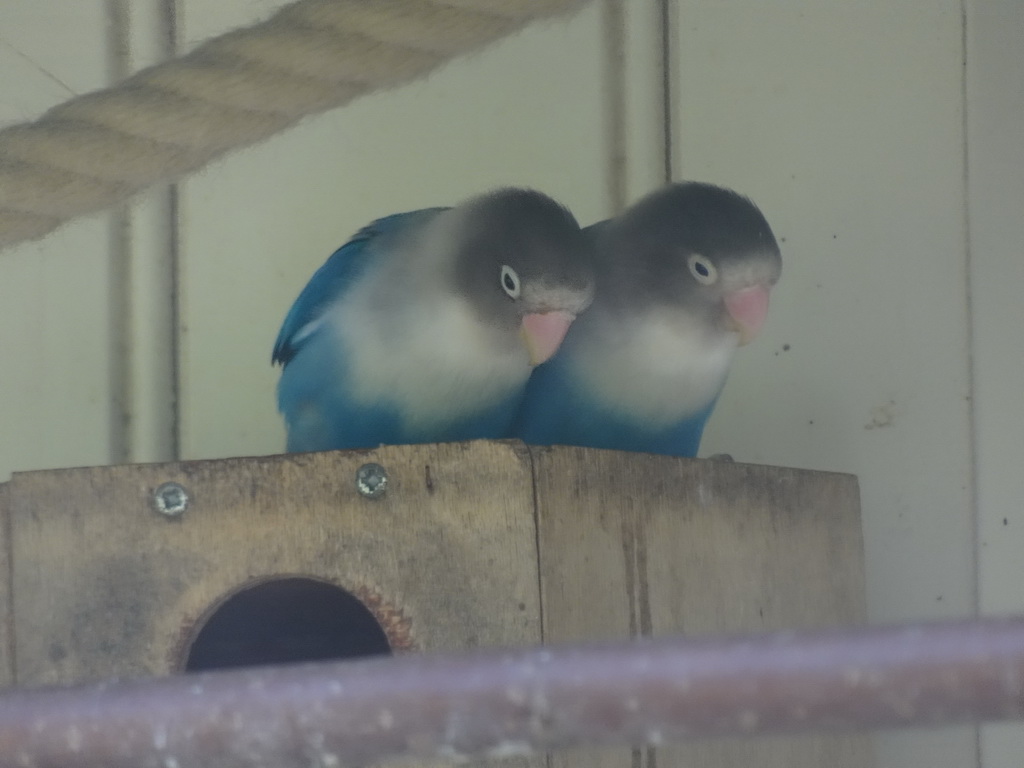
{"points": [[683, 279], [425, 326]]}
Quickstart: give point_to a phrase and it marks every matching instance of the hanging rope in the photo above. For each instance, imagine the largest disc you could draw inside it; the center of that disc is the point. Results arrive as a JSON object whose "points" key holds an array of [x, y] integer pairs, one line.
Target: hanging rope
{"points": [[166, 121]]}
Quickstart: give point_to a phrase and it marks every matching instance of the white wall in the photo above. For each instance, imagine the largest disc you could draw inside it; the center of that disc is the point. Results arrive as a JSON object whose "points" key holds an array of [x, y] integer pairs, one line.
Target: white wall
{"points": [[894, 175], [845, 122], [995, 126], [55, 354]]}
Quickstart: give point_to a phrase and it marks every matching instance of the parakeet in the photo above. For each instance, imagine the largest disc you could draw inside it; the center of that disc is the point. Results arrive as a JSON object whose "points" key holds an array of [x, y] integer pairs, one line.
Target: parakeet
{"points": [[683, 279], [425, 326]]}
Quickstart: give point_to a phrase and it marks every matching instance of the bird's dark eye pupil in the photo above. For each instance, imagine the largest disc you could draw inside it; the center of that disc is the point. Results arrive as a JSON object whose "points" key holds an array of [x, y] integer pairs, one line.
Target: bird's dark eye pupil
{"points": [[509, 282], [702, 269]]}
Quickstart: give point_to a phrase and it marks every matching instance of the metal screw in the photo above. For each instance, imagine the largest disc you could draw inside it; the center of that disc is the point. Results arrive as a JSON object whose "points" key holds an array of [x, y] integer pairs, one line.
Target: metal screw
{"points": [[372, 480], [171, 500]]}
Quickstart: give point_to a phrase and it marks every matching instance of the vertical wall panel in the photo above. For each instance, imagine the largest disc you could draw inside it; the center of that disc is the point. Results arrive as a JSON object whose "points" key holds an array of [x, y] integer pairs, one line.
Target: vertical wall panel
{"points": [[150, 386], [844, 122], [55, 397], [645, 79], [526, 111], [995, 112]]}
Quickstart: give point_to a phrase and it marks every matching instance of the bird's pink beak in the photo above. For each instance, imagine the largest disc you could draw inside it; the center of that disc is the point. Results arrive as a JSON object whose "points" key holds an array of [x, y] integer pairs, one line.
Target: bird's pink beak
{"points": [[543, 333], [748, 308]]}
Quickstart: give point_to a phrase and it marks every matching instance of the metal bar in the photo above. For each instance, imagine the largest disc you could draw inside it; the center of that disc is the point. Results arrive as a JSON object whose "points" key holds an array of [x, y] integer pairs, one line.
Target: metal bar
{"points": [[494, 704]]}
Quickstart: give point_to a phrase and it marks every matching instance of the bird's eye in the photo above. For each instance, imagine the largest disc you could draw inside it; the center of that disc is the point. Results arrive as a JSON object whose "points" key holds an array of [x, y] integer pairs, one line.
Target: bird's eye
{"points": [[510, 281], [702, 269]]}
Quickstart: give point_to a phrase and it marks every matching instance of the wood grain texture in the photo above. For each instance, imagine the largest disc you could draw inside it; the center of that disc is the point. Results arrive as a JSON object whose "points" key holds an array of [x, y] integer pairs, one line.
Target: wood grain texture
{"points": [[636, 545], [451, 557], [112, 587]]}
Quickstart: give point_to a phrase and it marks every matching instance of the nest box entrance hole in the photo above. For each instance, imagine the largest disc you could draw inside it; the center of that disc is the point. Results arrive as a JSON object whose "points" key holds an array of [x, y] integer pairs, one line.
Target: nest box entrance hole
{"points": [[285, 620]]}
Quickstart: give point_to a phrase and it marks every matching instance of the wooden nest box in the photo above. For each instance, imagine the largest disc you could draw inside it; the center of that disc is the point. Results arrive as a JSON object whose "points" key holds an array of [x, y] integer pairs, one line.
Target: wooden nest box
{"points": [[154, 569]]}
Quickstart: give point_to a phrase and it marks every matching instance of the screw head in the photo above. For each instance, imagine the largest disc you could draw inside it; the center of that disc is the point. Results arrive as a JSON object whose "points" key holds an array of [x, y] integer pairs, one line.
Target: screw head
{"points": [[170, 499], [371, 480]]}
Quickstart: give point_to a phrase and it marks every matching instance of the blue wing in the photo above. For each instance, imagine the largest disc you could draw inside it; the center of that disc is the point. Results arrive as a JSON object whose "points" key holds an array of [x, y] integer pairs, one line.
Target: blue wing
{"points": [[336, 275]]}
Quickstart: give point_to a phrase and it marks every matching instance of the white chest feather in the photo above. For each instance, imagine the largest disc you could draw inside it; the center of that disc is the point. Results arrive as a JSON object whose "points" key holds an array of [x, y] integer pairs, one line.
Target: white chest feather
{"points": [[430, 359], [658, 369]]}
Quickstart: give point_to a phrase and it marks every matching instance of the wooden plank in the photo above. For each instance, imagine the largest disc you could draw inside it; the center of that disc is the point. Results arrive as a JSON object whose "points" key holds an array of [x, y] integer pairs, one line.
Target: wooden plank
{"points": [[447, 557], [637, 545]]}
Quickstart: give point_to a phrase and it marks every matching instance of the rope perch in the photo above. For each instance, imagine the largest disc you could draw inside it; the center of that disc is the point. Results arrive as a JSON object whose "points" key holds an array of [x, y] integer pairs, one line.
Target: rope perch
{"points": [[232, 91]]}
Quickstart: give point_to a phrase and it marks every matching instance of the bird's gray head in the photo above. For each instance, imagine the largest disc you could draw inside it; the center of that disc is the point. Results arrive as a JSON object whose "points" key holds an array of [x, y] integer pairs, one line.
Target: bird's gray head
{"points": [[524, 265], [696, 246]]}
